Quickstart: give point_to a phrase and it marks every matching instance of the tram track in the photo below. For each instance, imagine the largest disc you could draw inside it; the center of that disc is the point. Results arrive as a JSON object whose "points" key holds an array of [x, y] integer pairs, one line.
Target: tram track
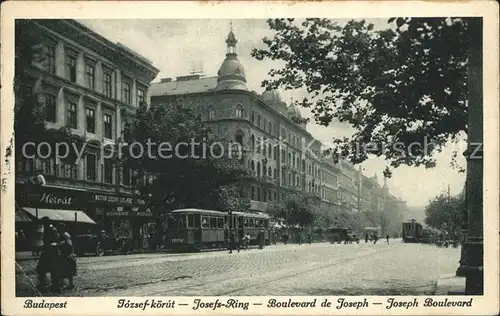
{"points": [[267, 280]]}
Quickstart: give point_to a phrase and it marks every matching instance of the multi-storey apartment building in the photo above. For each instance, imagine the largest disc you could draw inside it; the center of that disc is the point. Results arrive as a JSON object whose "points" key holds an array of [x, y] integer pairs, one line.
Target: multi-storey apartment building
{"points": [[89, 85], [280, 153]]}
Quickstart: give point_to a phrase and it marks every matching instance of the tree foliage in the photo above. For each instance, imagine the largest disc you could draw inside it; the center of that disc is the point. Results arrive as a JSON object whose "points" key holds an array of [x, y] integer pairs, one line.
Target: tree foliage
{"points": [[402, 85], [446, 213], [296, 209], [183, 169]]}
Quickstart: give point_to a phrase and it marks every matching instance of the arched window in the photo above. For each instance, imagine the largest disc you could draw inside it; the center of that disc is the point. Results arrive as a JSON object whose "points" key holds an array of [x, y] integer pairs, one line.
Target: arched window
{"points": [[253, 193], [239, 137], [264, 147], [252, 165], [270, 150], [252, 142], [258, 169], [269, 128], [276, 153], [259, 144], [270, 172], [253, 117], [239, 111], [283, 155], [211, 114], [275, 175]]}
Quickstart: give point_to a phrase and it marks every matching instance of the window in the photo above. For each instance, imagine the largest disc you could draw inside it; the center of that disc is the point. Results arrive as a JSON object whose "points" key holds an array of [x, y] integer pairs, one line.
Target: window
{"points": [[50, 108], [72, 115], [89, 75], [258, 120], [213, 222], [108, 131], [252, 165], [126, 175], [71, 66], [51, 59], [253, 117], [239, 111], [258, 169], [270, 150], [190, 221], [126, 93], [205, 222], [275, 175], [270, 172], [197, 220], [220, 222], [245, 222], [107, 85], [108, 170], [69, 171], [91, 168], [269, 127], [141, 96], [239, 137], [90, 113], [275, 153], [211, 114], [252, 142], [47, 167]]}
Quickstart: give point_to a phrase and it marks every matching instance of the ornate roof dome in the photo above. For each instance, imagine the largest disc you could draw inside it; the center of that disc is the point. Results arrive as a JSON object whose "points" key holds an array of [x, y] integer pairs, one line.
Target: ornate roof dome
{"points": [[271, 96], [231, 75], [293, 111]]}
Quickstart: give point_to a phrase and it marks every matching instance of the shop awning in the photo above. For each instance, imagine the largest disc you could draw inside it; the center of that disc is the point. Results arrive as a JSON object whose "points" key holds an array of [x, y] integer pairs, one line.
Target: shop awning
{"points": [[60, 215], [21, 216]]}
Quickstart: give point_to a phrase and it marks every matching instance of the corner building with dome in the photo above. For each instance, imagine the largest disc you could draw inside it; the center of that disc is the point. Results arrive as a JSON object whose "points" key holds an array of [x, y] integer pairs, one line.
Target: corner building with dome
{"points": [[271, 133]]}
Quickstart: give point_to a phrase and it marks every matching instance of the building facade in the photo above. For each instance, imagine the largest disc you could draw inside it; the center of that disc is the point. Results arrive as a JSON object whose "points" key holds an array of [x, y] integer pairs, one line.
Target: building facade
{"points": [[280, 153], [90, 86]]}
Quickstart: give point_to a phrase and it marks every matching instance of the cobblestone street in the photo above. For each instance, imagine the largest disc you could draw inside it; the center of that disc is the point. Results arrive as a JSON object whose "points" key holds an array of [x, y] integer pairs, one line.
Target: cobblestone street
{"points": [[317, 269]]}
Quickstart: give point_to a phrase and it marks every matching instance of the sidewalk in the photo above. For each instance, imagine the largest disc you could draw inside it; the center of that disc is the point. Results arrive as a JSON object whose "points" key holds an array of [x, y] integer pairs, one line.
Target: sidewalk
{"points": [[27, 255], [450, 285]]}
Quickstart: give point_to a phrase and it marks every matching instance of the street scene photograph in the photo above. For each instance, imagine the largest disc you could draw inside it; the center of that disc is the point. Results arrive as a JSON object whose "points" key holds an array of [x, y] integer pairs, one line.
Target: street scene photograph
{"points": [[248, 157]]}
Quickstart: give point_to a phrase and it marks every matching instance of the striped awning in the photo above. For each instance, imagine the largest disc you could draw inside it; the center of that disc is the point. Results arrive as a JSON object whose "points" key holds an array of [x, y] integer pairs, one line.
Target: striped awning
{"points": [[21, 216]]}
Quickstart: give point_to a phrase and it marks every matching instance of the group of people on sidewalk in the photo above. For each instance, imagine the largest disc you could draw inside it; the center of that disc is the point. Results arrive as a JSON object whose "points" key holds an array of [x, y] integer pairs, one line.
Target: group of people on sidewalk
{"points": [[245, 241], [57, 257]]}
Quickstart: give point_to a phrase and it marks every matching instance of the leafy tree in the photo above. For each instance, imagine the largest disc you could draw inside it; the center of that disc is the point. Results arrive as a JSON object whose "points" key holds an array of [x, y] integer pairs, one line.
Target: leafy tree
{"points": [[446, 213], [182, 169], [296, 209], [403, 85]]}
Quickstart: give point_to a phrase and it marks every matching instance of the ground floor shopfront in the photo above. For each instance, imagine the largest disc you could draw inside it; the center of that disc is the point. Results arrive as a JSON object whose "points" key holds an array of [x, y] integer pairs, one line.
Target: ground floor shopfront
{"points": [[83, 211]]}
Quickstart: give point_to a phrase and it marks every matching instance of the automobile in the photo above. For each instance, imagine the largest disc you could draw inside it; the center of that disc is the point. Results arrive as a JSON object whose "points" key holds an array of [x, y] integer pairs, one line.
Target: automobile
{"points": [[100, 244], [353, 238]]}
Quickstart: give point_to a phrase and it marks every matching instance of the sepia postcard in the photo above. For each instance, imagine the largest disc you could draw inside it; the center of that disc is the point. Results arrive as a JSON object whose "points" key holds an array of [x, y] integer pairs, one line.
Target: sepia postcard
{"points": [[247, 157]]}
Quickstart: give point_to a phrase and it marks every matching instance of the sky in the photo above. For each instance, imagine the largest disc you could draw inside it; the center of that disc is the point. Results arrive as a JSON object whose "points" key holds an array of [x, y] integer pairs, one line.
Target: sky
{"points": [[178, 46]]}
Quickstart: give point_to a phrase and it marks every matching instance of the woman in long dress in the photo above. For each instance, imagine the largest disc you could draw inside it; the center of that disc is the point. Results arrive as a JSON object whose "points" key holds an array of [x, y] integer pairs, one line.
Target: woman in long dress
{"points": [[68, 259]]}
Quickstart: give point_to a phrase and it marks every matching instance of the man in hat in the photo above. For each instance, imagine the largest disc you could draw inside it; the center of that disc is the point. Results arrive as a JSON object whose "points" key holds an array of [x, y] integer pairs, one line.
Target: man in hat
{"points": [[49, 258]]}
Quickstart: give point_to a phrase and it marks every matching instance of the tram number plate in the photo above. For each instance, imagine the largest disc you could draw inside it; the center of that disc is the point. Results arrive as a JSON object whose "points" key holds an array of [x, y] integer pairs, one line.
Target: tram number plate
{"points": [[177, 240]]}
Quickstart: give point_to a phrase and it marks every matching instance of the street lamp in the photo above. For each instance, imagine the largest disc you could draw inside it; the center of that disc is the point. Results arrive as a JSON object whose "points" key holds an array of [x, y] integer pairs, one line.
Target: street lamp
{"points": [[230, 213]]}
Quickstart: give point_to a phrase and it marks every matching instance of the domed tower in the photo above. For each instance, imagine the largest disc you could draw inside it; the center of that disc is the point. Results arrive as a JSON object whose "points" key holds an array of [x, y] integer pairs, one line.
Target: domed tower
{"points": [[231, 75], [294, 114], [273, 99]]}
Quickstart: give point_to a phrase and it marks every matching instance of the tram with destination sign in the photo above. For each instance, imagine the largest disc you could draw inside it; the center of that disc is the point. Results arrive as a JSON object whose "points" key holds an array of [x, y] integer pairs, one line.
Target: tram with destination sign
{"points": [[197, 229]]}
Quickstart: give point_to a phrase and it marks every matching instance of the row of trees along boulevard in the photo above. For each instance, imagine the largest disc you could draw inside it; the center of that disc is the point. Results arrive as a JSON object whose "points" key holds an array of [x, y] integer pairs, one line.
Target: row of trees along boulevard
{"points": [[397, 85]]}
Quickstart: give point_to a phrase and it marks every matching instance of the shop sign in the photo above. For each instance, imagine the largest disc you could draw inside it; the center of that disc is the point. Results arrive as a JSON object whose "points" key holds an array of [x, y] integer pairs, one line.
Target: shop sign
{"points": [[114, 199], [50, 197], [129, 213]]}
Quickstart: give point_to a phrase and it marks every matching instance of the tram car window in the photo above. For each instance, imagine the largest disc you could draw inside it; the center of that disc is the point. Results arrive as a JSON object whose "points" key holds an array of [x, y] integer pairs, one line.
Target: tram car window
{"points": [[220, 222], [251, 223], [245, 222], [204, 222], [213, 222]]}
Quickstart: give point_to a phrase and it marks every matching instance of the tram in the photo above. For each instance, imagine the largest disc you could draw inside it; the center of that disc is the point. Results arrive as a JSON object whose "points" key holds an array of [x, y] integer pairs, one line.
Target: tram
{"points": [[412, 231], [197, 229]]}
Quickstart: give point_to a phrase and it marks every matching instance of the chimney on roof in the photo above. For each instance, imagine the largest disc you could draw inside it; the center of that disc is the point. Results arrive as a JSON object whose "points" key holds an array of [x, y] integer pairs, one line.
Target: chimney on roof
{"points": [[164, 80], [188, 77]]}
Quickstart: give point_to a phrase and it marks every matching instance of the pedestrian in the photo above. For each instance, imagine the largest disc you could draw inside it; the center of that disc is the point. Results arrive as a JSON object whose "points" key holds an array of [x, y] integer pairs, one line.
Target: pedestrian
{"points": [[375, 238], [366, 237], [49, 258], [67, 260], [261, 238], [233, 244], [387, 238], [309, 238]]}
